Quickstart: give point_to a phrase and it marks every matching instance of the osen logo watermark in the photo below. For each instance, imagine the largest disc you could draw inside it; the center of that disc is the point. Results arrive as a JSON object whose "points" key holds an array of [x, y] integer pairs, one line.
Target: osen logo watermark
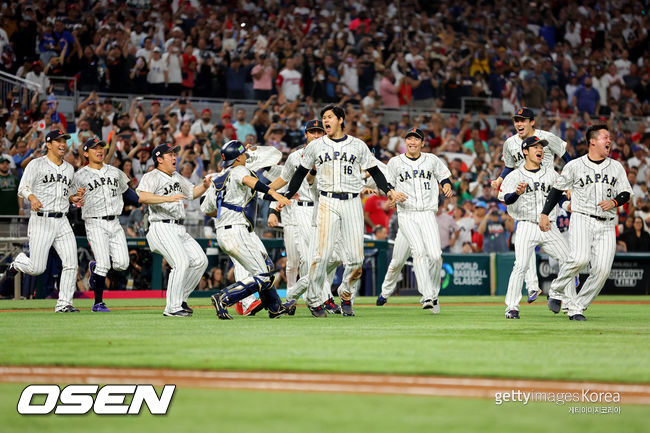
{"points": [[107, 400]]}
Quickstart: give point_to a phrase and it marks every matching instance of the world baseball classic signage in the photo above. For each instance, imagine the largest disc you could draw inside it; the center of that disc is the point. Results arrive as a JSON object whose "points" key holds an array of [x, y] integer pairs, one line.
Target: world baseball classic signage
{"points": [[466, 274]]}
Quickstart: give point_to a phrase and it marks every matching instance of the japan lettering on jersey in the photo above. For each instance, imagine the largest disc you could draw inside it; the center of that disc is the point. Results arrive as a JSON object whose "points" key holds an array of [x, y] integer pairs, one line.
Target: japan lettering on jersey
{"points": [[50, 183], [418, 179], [529, 205], [513, 156], [104, 189], [339, 164], [591, 183], [159, 183]]}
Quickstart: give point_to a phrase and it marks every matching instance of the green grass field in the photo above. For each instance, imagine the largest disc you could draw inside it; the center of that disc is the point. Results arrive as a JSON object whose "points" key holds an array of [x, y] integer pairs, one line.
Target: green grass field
{"points": [[471, 338]]}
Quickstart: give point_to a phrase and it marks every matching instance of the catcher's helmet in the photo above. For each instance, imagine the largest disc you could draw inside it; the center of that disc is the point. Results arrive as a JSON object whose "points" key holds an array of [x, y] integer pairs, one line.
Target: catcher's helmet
{"points": [[231, 151]]}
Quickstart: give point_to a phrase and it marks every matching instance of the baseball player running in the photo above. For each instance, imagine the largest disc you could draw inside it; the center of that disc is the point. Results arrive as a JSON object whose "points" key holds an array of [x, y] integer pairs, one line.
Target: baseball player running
{"points": [[232, 205], [299, 222], [598, 186], [513, 157], [340, 161], [164, 189], [103, 203], [525, 191], [417, 175], [47, 183]]}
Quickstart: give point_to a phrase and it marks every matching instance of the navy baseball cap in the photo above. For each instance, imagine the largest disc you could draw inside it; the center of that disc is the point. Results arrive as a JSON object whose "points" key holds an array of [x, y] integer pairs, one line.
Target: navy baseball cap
{"points": [[162, 149], [56, 134], [314, 124], [524, 113], [532, 141], [92, 142], [415, 132]]}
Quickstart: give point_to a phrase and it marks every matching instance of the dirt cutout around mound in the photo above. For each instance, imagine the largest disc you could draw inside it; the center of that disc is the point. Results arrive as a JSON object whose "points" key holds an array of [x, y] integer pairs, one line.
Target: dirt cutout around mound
{"points": [[377, 384]]}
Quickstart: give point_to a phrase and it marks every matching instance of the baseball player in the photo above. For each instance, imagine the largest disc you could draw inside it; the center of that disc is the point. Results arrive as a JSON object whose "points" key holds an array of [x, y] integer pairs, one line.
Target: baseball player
{"points": [[232, 202], [524, 191], [47, 183], [340, 162], [299, 221], [164, 189], [513, 157], [417, 175], [598, 186], [103, 203]]}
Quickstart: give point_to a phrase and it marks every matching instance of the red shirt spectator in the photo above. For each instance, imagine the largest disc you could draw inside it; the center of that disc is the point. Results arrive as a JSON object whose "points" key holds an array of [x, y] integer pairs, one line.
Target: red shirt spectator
{"points": [[376, 211]]}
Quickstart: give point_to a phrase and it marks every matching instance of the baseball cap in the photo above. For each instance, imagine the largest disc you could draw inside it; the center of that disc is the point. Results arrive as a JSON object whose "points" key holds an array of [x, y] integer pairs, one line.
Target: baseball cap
{"points": [[524, 113], [155, 102], [3, 159], [162, 149], [156, 50], [92, 142], [206, 110], [415, 132], [532, 141], [56, 135], [314, 124], [108, 101], [24, 119]]}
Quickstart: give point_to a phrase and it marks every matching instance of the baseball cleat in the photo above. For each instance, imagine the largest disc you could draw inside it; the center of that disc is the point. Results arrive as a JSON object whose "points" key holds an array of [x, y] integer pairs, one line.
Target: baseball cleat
{"points": [[578, 317], [187, 308], [346, 308], [381, 301], [284, 309], [436, 307], [533, 295], [239, 308], [67, 309], [100, 307], [555, 305], [291, 309], [9, 273], [331, 307], [427, 304], [179, 313], [222, 311], [512, 314], [318, 311]]}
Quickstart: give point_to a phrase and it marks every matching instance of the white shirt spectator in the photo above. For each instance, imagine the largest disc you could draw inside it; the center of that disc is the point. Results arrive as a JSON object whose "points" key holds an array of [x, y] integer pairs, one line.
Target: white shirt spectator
{"points": [[157, 70], [290, 83], [173, 68]]}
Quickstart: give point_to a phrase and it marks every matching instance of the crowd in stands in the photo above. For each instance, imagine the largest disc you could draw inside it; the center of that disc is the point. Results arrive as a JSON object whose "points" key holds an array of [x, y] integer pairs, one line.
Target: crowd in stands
{"points": [[573, 63]]}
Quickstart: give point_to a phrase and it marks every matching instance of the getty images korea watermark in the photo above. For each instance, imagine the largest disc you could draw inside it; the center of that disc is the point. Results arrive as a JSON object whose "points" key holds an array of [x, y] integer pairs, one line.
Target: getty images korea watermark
{"points": [[105, 400], [585, 396]]}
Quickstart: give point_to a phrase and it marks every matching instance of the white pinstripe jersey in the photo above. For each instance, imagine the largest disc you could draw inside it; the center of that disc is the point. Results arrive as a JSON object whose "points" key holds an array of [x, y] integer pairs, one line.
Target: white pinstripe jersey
{"points": [[236, 194], [529, 205], [513, 156], [292, 163], [591, 183], [339, 164], [50, 183], [104, 189], [418, 179], [159, 183]]}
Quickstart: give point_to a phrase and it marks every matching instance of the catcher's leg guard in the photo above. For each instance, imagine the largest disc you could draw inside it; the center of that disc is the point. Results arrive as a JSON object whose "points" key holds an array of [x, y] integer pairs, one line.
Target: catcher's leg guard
{"points": [[268, 294], [241, 289]]}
